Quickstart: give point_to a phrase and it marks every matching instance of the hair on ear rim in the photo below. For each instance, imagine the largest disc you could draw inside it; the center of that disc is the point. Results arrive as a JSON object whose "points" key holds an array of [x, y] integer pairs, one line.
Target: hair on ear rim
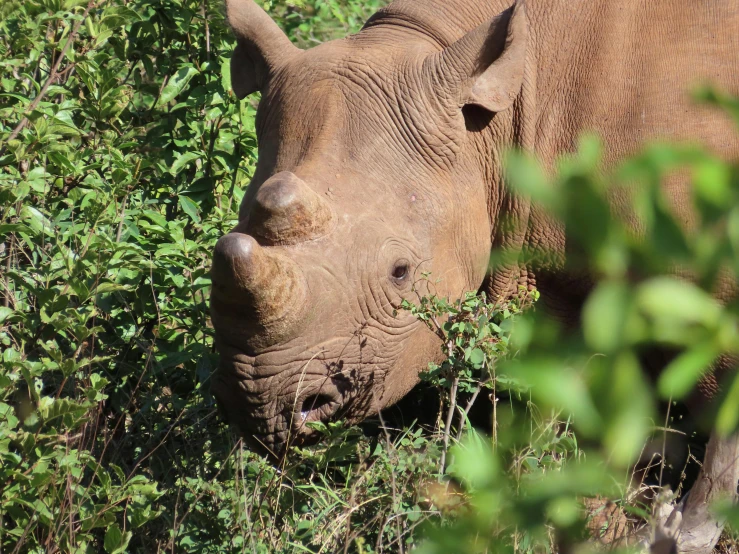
{"points": [[485, 67], [497, 88], [262, 47]]}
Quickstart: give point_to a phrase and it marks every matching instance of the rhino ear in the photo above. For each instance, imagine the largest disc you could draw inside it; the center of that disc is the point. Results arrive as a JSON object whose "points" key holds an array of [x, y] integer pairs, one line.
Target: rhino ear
{"points": [[261, 47], [486, 66]]}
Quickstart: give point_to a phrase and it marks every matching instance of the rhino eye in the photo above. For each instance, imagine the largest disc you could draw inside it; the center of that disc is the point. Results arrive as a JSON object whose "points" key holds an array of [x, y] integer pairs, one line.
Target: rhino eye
{"points": [[400, 271]]}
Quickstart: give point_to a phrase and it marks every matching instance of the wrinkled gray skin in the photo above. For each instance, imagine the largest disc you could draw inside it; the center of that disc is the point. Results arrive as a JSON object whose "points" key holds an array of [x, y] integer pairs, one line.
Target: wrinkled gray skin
{"points": [[380, 159]]}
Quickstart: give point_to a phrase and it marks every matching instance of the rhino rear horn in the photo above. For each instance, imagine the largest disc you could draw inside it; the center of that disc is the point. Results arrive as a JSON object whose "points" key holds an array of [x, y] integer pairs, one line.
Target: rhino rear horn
{"points": [[286, 210], [486, 66], [261, 47]]}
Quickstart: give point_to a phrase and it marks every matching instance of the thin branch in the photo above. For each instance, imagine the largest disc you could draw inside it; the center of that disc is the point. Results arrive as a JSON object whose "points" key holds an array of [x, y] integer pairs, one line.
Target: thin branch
{"points": [[463, 412], [8, 266], [664, 441], [119, 231], [204, 13], [449, 415], [393, 483]]}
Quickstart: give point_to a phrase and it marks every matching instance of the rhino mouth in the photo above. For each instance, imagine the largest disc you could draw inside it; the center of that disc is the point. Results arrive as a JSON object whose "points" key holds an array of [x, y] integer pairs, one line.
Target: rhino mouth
{"points": [[272, 417], [318, 407]]}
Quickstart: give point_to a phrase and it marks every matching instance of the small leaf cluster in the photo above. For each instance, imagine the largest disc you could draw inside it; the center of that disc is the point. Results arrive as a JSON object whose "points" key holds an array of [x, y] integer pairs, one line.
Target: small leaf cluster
{"points": [[475, 333], [659, 281]]}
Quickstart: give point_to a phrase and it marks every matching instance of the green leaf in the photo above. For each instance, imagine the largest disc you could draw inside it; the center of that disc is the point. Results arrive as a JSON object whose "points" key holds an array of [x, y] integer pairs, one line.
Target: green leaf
{"points": [[226, 74], [117, 16], [116, 541], [555, 384], [712, 179], [13, 228], [5, 313], [477, 357], [183, 160], [627, 406], [526, 176], [475, 462], [176, 84], [189, 207], [103, 288], [35, 220], [604, 316], [681, 375], [677, 302], [62, 161]]}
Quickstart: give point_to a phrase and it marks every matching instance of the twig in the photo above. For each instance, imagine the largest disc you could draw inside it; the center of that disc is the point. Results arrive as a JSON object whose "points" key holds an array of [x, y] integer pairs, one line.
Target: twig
{"points": [[172, 426], [247, 507], [215, 127], [466, 410], [701, 529], [664, 441], [119, 232], [494, 400], [178, 524], [8, 265], [449, 415], [204, 13], [392, 477], [237, 157], [53, 75]]}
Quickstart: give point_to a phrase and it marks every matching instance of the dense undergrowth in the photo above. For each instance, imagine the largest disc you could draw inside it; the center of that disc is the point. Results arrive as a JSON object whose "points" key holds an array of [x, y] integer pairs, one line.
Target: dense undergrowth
{"points": [[123, 158]]}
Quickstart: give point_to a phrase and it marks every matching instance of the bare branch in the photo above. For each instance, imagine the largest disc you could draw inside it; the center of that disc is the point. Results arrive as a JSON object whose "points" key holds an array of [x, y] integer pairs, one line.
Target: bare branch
{"points": [[449, 417]]}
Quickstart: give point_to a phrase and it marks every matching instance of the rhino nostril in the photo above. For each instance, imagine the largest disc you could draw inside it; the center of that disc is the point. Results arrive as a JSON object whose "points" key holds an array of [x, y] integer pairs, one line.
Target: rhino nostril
{"points": [[318, 407]]}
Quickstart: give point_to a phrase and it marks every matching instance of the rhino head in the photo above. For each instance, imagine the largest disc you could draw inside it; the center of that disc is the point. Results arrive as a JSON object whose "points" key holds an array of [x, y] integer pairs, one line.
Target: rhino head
{"points": [[375, 165]]}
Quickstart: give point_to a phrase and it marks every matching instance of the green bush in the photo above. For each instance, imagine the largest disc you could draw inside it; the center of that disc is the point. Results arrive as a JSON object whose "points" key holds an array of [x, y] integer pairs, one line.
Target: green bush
{"points": [[123, 158]]}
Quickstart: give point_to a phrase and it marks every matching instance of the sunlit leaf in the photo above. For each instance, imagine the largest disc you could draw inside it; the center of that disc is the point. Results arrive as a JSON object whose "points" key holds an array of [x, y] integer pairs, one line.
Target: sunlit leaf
{"points": [[525, 175], [682, 373], [605, 315], [189, 207], [176, 84], [677, 301]]}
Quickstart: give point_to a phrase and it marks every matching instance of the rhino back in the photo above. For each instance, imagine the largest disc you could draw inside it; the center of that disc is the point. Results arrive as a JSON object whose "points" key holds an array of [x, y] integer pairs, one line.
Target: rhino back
{"points": [[627, 70]]}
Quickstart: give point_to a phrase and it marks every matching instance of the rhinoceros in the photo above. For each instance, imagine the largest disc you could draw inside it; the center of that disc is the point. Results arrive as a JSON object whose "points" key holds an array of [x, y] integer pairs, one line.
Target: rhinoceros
{"points": [[380, 159]]}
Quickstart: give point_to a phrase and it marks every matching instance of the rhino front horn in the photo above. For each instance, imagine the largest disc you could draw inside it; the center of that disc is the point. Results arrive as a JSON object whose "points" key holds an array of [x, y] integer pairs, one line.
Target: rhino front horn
{"points": [[256, 287], [286, 210]]}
